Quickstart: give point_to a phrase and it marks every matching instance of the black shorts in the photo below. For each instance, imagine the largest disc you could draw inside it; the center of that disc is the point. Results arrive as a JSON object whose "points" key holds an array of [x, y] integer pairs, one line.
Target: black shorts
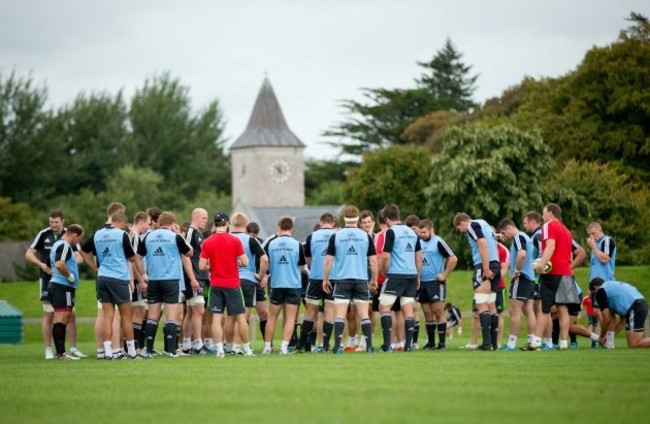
{"points": [[226, 299], [433, 291], [164, 291], [575, 308], [249, 290], [521, 288], [189, 293], [477, 277], [351, 290], [43, 285], [315, 290], [499, 303], [401, 286], [111, 290], [636, 316], [260, 294], [282, 295], [62, 297]]}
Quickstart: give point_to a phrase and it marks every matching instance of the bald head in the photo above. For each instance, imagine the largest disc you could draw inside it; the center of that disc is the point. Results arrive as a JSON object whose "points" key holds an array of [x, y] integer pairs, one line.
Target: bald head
{"points": [[199, 218]]}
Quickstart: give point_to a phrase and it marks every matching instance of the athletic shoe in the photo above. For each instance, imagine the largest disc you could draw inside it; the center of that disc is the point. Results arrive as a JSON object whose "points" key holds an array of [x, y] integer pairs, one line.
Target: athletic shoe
{"points": [[317, 349], [441, 347], [171, 355], [415, 346], [147, 355], [370, 350], [65, 357], [546, 347], [469, 346], [573, 345], [596, 345], [100, 355], [248, 353], [135, 357], [506, 348], [348, 349], [428, 347], [141, 352], [485, 348], [563, 347], [220, 354], [206, 351], [340, 351], [285, 352], [77, 353], [387, 349], [407, 349], [186, 352], [180, 352], [267, 351], [155, 353], [118, 355], [49, 354]]}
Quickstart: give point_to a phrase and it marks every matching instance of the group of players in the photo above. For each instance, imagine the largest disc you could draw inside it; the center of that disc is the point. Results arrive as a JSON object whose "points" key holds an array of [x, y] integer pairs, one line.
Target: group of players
{"points": [[342, 275]]}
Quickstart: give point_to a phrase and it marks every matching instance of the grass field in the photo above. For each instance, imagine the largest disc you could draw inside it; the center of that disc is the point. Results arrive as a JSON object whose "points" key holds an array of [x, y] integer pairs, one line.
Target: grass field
{"points": [[453, 386]]}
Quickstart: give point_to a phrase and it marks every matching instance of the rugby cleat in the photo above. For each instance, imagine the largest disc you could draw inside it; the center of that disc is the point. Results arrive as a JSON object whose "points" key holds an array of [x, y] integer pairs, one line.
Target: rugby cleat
{"points": [[77, 353], [65, 357], [370, 350], [441, 347], [573, 345], [248, 353], [317, 349], [49, 354], [220, 354], [546, 347], [506, 348], [484, 348], [147, 355], [340, 351], [266, 351], [387, 349]]}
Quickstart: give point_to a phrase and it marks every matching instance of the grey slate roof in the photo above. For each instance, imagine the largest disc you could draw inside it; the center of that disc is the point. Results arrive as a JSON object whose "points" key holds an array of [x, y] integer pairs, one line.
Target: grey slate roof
{"points": [[267, 126]]}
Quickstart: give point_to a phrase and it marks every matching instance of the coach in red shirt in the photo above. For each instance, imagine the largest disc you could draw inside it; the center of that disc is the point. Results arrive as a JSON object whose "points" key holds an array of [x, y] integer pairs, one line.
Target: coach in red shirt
{"points": [[222, 254], [557, 287]]}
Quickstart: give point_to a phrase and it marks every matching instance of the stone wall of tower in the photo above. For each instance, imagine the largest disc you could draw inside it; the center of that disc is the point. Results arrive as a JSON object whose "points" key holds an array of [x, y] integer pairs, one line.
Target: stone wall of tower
{"points": [[268, 176]]}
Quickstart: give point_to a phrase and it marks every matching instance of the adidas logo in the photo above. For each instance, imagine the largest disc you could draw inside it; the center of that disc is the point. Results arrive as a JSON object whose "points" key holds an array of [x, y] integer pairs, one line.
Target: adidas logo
{"points": [[283, 260], [106, 253], [158, 252], [324, 253], [352, 251], [425, 261], [409, 248], [47, 240], [436, 297]]}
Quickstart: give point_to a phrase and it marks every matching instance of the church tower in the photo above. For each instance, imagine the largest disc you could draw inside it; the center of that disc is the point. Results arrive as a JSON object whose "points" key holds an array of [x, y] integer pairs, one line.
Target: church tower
{"points": [[267, 159]]}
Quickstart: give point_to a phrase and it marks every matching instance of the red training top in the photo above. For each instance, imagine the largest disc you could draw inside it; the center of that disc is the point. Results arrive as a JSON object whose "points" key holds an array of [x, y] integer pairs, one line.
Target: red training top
{"points": [[379, 248], [222, 250], [504, 257], [562, 256]]}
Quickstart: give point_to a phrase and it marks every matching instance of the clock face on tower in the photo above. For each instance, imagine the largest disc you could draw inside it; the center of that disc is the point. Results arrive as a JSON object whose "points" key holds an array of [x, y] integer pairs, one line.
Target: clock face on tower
{"points": [[280, 171]]}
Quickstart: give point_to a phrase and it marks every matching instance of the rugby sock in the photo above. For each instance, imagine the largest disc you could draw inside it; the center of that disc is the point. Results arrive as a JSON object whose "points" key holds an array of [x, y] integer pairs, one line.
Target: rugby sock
{"points": [[58, 334], [548, 342], [284, 346], [108, 349], [267, 345], [307, 326], [263, 326], [312, 337], [573, 337], [339, 326], [209, 343], [198, 344], [328, 327], [442, 332], [485, 319], [171, 333], [609, 339], [530, 338], [177, 339], [512, 341], [247, 347], [537, 341], [187, 343], [556, 331], [416, 331], [130, 347], [219, 347], [494, 330], [409, 324], [594, 337], [366, 329], [124, 347], [564, 344], [140, 339], [386, 327], [352, 342], [137, 334], [150, 330], [431, 327]]}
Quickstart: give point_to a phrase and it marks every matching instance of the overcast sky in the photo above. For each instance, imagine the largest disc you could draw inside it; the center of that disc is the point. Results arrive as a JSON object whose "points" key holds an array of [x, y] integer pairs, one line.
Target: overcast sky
{"points": [[315, 52]]}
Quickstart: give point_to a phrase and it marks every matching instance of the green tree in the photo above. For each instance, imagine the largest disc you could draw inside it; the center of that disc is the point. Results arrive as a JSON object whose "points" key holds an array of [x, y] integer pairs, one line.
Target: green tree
{"points": [[17, 221], [589, 191], [32, 157], [385, 114], [136, 188], [323, 181], [395, 174], [95, 134], [186, 149]]}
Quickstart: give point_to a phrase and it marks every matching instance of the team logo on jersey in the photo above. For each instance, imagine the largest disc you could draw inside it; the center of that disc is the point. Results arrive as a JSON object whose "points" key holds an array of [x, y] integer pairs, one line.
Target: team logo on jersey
{"points": [[436, 297], [158, 252], [105, 236], [106, 253], [323, 253], [283, 260], [425, 261], [47, 240], [352, 251], [159, 236], [409, 248]]}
